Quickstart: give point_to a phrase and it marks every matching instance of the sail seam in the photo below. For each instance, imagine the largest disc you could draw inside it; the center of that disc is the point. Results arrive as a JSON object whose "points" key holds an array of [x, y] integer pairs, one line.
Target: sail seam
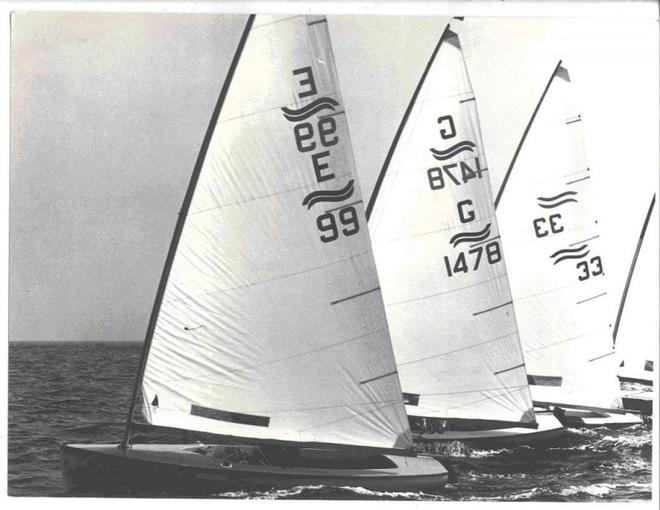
{"points": [[585, 240], [354, 296], [344, 205], [484, 241], [508, 369], [502, 392], [473, 391], [255, 284], [589, 299], [446, 353], [571, 339], [206, 376], [353, 416], [601, 357], [260, 197], [332, 94], [379, 377], [410, 170], [578, 180], [482, 282], [493, 308], [279, 21], [431, 232]]}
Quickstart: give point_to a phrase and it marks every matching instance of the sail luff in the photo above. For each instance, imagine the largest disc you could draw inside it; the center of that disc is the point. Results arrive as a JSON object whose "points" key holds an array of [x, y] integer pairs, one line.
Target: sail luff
{"points": [[631, 271], [452, 326], [181, 219], [402, 125], [524, 135]]}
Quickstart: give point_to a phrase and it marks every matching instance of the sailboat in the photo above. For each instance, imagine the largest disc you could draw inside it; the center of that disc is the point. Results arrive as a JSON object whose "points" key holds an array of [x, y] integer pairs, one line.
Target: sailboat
{"points": [[268, 329], [636, 341], [442, 271], [558, 266]]}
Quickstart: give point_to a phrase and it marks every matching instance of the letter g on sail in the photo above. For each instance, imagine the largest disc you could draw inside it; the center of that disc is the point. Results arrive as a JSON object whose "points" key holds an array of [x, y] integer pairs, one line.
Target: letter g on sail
{"points": [[445, 134]]}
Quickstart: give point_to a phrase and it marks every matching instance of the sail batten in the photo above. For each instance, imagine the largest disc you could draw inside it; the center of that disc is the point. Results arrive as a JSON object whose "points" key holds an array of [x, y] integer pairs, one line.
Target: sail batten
{"points": [[271, 325], [558, 267], [441, 267]]}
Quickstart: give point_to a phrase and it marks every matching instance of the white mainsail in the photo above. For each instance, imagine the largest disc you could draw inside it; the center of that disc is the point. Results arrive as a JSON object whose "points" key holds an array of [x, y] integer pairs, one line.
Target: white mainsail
{"points": [[557, 265], [439, 259], [272, 324], [637, 336]]}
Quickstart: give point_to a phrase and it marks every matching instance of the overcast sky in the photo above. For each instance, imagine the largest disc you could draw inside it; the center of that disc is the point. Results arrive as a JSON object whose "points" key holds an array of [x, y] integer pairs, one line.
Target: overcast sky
{"points": [[109, 110]]}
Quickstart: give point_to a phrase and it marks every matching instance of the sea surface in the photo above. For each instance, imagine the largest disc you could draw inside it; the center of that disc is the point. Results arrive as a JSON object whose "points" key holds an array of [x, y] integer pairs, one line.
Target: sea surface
{"points": [[79, 392]]}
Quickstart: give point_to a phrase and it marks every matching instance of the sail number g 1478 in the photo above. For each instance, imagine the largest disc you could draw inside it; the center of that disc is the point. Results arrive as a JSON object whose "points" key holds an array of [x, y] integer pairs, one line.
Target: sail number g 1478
{"points": [[460, 265]]}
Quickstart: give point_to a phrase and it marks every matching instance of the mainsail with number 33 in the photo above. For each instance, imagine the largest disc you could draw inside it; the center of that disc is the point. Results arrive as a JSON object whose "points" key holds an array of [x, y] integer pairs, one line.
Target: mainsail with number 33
{"points": [[558, 265]]}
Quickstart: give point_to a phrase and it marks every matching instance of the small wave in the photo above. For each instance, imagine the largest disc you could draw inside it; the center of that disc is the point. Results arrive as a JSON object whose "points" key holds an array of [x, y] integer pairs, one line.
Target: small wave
{"points": [[415, 496], [271, 494], [489, 453], [598, 489], [628, 441]]}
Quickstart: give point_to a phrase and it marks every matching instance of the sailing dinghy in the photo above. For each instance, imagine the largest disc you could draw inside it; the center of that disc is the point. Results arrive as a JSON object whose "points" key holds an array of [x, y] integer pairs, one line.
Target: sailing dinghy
{"points": [[557, 266], [636, 336], [442, 271], [268, 329]]}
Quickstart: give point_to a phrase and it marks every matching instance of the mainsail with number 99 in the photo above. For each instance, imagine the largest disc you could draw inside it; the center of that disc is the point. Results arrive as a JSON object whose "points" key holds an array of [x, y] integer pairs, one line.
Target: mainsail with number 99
{"points": [[271, 323]]}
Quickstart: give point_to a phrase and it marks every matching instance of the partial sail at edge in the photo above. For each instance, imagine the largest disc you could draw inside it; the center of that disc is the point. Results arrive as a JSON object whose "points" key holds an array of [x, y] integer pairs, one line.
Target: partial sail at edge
{"points": [[440, 260], [637, 338], [272, 324]]}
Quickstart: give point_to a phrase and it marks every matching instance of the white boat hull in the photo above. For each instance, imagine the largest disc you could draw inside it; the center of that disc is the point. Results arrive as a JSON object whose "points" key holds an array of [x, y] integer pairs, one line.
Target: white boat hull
{"points": [[644, 377], [583, 418], [549, 429], [197, 470]]}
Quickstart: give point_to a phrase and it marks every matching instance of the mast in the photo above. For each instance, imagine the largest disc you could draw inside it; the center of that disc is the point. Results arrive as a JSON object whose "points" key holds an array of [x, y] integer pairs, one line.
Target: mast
{"points": [[522, 140], [631, 270], [402, 125], [179, 228]]}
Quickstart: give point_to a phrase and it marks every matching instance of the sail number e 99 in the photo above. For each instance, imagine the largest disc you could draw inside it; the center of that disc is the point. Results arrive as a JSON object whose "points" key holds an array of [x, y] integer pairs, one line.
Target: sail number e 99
{"points": [[316, 135], [327, 224]]}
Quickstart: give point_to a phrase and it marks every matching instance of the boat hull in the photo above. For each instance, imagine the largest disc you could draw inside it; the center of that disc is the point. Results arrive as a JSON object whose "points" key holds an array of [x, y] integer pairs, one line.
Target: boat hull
{"points": [[583, 418], [642, 405], [548, 431], [180, 470]]}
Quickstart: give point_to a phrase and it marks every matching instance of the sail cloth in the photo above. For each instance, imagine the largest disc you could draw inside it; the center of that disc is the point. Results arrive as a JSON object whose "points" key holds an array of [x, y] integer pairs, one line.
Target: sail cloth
{"points": [[439, 258], [272, 324], [637, 338], [557, 265]]}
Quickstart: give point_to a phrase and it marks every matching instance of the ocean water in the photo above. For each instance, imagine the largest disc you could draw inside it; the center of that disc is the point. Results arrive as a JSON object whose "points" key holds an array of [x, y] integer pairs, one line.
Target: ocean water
{"points": [[79, 392]]}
